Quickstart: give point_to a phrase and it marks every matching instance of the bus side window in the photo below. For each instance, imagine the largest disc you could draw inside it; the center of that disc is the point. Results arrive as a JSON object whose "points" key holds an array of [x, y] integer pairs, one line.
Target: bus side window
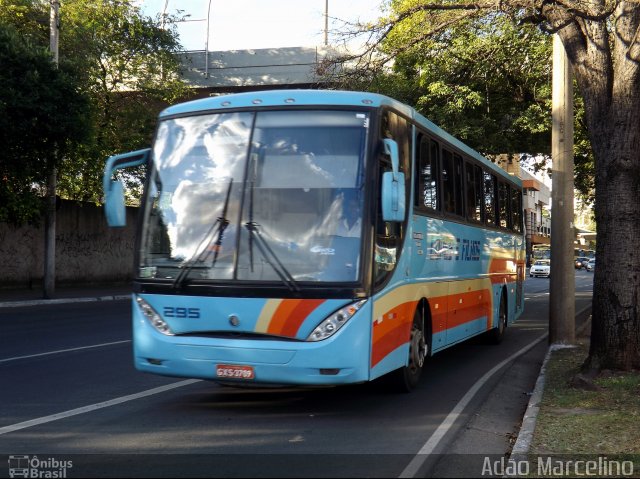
{"points": [[427, 174], [503, 205], [516, 210], [490, 199], [459, 185], [474, 192], [448, 182], [435, 167], [479, 195]]}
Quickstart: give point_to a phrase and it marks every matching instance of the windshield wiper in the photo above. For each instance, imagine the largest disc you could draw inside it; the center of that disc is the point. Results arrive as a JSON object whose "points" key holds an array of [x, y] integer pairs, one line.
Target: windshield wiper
{"points": [[268, 253], [251, 222], [217, 228], [270, 256]]}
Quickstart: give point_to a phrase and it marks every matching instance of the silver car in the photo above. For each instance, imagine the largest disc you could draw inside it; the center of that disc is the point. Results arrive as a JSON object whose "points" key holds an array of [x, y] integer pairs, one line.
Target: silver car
{"points": [[541, 267]]}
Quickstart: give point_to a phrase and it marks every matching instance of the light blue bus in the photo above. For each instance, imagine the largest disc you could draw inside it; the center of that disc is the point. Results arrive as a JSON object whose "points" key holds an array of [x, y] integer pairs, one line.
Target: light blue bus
{"points": [[315, 238]]}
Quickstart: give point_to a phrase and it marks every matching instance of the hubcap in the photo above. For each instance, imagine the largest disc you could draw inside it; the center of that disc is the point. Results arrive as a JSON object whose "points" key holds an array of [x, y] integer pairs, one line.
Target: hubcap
{"points": [[418, 349]]}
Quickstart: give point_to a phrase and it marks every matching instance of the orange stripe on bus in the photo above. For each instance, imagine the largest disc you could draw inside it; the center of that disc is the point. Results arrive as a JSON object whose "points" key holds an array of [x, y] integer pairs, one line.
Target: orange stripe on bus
{"points": [[438, 308], [501, 270], [394, 338], [281, 315], [391, 330], [467, 307], [450, 312], [298, 315], [403, 313]]}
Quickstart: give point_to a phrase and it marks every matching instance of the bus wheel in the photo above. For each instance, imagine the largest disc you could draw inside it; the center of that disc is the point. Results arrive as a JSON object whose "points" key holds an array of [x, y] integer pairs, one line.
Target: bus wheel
{"points": [[406, 378], [496, 335]]}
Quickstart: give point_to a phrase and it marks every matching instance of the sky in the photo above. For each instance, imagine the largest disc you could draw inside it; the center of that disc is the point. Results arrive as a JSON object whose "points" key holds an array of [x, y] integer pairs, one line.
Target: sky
{"points": [[253, 24]]}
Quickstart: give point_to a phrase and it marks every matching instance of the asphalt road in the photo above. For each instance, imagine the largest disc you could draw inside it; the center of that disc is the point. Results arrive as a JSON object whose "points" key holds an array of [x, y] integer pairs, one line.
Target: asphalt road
{"points": [[70, 393]]}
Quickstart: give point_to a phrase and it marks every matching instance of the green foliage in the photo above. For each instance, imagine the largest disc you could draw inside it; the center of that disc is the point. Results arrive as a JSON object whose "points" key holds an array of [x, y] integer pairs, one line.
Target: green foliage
{"points": [[41, 117], [486, 81], [130, 72], [123, 62], [483, 76]]}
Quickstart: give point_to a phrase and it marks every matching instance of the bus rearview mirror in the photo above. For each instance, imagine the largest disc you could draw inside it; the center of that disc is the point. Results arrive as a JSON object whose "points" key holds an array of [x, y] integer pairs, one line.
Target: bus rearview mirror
{"points": [[393, 197], [393, 187], [114, 207], [391, 150]]}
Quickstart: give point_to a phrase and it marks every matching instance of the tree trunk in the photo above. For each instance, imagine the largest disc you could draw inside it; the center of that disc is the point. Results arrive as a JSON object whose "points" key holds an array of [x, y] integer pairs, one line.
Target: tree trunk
{"points": [[607, 69], [615, 332]]}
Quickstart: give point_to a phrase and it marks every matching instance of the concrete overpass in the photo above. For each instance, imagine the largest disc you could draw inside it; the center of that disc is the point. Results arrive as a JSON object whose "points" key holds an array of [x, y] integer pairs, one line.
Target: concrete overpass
{"points": [[247, 70]]}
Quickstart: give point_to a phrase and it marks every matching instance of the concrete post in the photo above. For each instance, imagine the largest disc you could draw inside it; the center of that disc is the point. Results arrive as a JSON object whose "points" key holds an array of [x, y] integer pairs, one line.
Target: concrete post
{"points": [[50, 224], [562, 281]]}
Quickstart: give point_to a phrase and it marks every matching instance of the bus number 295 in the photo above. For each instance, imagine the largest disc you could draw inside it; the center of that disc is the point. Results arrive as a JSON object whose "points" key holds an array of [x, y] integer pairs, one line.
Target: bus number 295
{"points": [[181, 313]]}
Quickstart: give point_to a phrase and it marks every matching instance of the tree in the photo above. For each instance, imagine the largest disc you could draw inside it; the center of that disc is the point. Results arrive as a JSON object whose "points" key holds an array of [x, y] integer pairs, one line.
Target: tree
{"points": [[131, 72], [602, 39], [486, 81], [41, 110], [126, 65]]}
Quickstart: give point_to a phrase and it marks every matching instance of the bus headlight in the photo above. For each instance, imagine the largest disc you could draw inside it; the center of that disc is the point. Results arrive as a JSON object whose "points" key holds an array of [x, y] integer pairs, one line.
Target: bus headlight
{"points": [[153, 317], [333, 323]]}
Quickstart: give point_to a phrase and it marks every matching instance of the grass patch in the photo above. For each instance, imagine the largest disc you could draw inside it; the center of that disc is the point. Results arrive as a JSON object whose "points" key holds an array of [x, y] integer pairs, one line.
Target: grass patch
{"points": [[576, 421]]}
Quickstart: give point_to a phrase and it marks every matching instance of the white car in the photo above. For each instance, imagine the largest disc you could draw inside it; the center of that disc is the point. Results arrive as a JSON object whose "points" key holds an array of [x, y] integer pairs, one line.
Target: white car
{"points": [[591, 265], [542, 267]]}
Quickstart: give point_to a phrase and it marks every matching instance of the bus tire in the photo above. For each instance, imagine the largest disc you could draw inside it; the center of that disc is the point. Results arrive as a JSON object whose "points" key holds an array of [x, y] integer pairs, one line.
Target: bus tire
{"points": [[407, 377], [496, 335]]}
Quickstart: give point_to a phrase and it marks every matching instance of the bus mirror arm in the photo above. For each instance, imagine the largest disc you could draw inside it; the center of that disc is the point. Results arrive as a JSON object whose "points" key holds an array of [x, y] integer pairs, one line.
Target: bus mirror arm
{"points": [[391, 150], [393, 186], [114, 207]]}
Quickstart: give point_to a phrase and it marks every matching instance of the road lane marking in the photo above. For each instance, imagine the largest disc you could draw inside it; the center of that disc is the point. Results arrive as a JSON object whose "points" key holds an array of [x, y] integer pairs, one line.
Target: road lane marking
{"points": [[429, 447], [94, 407], [60, 351], [48, 302]]}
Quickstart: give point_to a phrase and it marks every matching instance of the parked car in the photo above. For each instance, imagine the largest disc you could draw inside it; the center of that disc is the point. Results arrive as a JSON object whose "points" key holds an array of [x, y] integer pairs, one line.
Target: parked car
{"points": [[581, 262], [591, 265], [541, 267]]}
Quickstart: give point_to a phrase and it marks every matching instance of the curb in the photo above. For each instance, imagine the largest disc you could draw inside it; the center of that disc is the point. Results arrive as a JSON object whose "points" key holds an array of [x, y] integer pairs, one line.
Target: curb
{"points": [[44, 302], [523, 442]]}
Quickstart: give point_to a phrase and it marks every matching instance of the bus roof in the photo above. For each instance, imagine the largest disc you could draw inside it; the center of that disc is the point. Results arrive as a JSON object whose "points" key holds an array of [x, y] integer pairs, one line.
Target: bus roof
{"points": [[275, 98], [271, 98]]}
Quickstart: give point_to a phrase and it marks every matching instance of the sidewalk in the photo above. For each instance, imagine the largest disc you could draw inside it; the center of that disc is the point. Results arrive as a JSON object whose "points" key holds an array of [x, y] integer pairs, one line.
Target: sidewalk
{"points": [[523, 444], [78, 293]]}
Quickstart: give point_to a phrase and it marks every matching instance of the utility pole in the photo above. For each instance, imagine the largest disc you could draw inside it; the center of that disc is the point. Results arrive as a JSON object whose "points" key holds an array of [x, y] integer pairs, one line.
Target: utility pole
{"points": [[50, 224], [326, 23], [562, 307], [206, 43]]}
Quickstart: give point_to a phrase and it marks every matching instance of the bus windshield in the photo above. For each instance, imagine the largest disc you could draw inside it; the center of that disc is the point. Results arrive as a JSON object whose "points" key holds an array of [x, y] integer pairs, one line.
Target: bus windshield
{"points": [[256, 196]]}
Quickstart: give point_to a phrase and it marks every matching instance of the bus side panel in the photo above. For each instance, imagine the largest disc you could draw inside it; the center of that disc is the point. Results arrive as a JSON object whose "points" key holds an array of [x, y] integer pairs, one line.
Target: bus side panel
{"points": [[393, 312], [461, 272], [451, 321], [392, 361], [457, 256]]}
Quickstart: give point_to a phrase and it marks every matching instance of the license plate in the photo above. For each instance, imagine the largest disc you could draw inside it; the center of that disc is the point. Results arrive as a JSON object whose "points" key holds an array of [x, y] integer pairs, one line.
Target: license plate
{"points": [[230, 371]]}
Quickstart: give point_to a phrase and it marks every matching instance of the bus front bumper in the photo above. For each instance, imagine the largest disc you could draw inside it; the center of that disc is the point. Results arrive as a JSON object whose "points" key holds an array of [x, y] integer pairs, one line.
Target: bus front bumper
{"points": [[341, 359]]}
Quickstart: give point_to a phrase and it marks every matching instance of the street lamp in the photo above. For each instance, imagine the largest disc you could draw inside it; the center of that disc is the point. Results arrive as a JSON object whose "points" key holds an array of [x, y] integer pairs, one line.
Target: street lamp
{"points": [[206, 41]]}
